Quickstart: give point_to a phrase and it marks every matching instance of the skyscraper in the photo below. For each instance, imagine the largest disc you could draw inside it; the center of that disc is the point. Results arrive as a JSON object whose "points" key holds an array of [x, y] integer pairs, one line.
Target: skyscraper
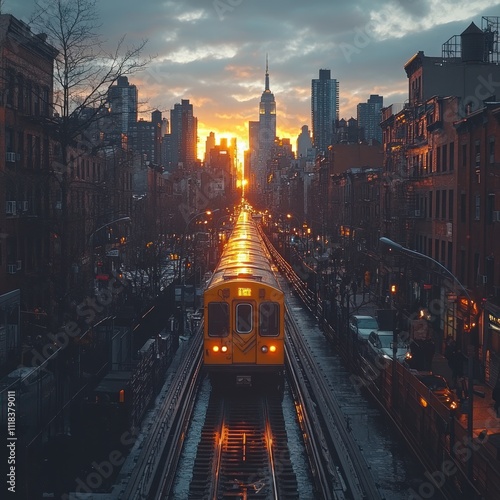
{"points": [[324, 109], [267, 129], [122, 99], [253, 156], [209, 145], [304, 143], [369, 118], [184, 134]]}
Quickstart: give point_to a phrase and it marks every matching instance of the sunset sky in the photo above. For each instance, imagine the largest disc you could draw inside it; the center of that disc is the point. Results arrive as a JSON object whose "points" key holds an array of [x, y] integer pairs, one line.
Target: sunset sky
{"points": [[213, 52]]}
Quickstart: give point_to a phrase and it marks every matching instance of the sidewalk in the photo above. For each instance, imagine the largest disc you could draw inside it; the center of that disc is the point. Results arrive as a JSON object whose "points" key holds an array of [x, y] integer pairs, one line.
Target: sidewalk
{"points": [[483, 414]]}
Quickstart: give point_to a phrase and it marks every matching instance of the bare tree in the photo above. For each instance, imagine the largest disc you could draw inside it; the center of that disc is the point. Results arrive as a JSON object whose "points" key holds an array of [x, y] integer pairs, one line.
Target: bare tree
{"points": [[83, 73], [84, 70]]}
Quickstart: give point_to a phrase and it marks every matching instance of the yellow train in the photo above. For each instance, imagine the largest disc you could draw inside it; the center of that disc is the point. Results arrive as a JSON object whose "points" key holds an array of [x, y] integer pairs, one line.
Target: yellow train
{"points": [[244, 311]]}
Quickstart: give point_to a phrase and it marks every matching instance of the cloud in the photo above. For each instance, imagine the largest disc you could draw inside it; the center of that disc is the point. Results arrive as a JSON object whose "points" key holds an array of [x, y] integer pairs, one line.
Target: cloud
{"points": [[213, 52]]}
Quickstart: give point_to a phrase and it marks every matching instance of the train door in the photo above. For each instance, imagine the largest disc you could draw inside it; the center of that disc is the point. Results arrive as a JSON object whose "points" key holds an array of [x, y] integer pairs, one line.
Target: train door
{"points": [[244, 332]]}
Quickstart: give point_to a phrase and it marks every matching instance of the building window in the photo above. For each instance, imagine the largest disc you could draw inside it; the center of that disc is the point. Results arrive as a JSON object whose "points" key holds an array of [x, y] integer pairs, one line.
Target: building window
{"points": [[438, 204], [463, 207], [430, 204], [464, 155], [491, 153], [443, 204], [20, 93], [444, 158], [29, 151], [29, 98], [451, 163], [9, 139], [477, 207], [450, 204], [38, 153], [45, 101], [490, 206], [46, 154], [36, 100], [20, 146]]}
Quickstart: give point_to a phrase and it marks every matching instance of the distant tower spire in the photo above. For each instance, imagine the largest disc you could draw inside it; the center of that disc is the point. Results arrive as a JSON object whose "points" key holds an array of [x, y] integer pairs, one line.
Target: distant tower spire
{"points": [[267, 74]]}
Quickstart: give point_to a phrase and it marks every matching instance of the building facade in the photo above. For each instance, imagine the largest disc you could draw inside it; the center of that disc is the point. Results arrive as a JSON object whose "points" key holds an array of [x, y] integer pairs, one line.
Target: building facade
{"points": [[184, 135], [123, 106], [266, 134], [439, 195], [324, 109], [369, 117], [27, 192]]}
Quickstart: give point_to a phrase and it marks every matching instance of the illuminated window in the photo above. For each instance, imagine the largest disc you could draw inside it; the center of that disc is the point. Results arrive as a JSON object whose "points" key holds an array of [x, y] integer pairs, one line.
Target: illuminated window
{"points": [[218, 319]]}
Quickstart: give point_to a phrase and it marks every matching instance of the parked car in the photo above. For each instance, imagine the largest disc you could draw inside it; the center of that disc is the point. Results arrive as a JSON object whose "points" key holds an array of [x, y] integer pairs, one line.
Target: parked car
{"points": [[380, 344], [362, 326], [438, 386]]}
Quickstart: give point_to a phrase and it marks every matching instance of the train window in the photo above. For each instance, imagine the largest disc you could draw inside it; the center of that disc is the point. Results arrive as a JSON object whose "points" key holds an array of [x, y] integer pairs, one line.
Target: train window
{"points": [[218, 319], [244, 318], [269, 320]]}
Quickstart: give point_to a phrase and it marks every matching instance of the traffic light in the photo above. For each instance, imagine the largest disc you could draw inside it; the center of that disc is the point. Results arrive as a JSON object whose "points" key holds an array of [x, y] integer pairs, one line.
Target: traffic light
{"points": [[187, 264], [394, 289]]}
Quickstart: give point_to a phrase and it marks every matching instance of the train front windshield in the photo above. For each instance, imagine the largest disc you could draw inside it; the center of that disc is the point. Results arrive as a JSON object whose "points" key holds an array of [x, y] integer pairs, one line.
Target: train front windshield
{"points": [[218, 319], [269, 319]]}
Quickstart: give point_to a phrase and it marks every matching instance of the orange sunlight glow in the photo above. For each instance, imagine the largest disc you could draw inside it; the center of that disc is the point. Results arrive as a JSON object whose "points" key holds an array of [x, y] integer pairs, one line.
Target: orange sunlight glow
{"points": [[241, 138]]}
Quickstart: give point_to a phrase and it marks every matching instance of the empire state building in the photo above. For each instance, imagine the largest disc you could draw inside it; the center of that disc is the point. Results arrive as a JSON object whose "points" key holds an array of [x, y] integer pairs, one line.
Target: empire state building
{"points": [[267, 132]]}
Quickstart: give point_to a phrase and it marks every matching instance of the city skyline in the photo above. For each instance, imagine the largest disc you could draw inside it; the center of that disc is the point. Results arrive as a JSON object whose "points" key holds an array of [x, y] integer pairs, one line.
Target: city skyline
{"points": [[214, 53]]}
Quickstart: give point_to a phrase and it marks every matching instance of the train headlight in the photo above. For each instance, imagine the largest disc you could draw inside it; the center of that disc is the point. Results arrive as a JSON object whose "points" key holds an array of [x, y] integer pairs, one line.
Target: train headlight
{"points": [[224, 348], [272, 348], [264, 349], [215, 348]]}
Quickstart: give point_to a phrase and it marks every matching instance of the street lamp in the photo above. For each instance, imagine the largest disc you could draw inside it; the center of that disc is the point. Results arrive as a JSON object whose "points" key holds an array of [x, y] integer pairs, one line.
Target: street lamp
{"points": [[183, 246], [470, 375], [93, 233]]}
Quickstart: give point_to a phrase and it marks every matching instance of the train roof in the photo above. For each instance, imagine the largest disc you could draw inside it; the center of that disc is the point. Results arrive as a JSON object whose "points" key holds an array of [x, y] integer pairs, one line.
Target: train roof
{"points": [[245, 256]]}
